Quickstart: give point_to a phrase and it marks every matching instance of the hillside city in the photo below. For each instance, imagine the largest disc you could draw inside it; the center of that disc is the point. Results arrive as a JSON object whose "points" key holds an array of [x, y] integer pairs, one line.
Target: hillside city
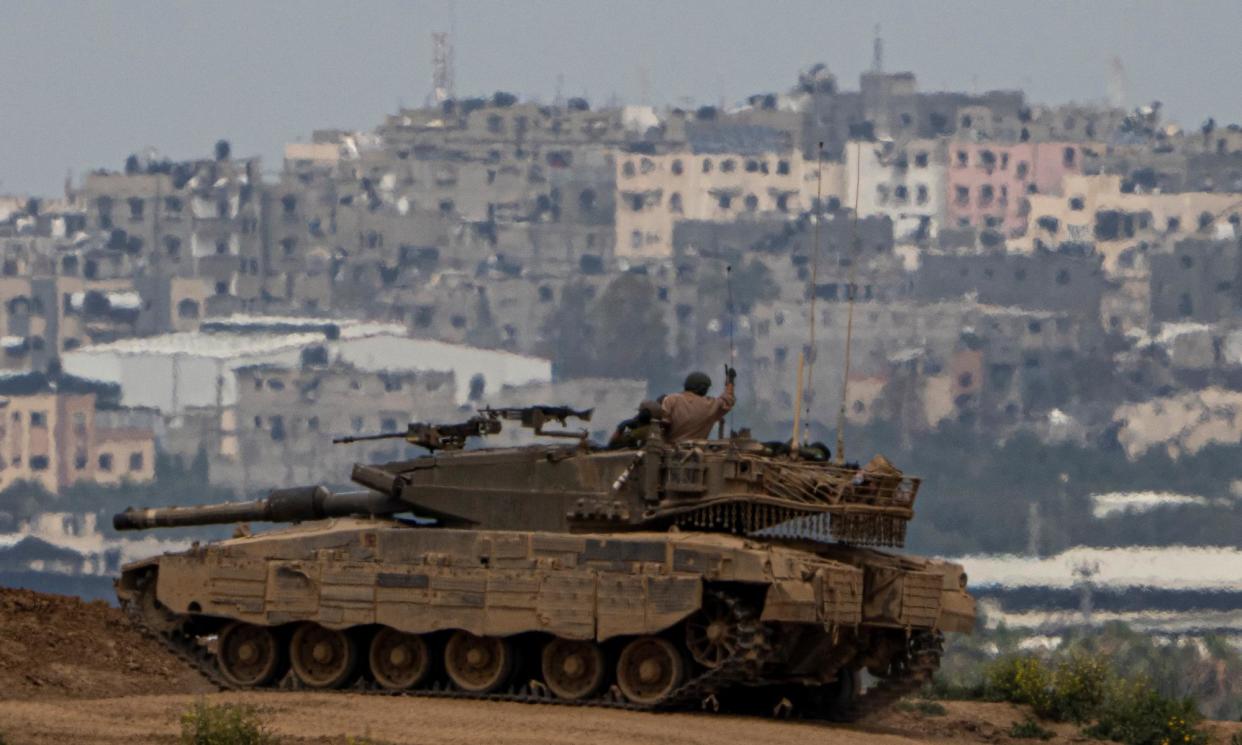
{"points": [[1043, 303]]}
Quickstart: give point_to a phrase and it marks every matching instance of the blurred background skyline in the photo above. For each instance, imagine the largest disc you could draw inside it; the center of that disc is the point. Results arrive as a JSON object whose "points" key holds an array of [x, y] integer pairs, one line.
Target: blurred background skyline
{"points": [[88, 83]]}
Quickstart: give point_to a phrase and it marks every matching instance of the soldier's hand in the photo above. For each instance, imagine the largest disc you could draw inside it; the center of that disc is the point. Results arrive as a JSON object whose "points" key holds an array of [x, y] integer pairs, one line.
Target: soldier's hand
{"points": [[730, 374]]}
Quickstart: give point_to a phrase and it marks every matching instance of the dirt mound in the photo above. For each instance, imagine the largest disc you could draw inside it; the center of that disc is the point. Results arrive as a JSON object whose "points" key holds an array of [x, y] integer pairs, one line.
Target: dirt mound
{"points": [[52, 645]]}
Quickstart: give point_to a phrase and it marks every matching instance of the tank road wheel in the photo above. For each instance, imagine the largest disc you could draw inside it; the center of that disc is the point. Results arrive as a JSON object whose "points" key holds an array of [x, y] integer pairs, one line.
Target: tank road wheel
{"points": [[478, 664], [399, 660], [248, 655], [322, 657], [712, 632], [649, 669], [574, 670]]}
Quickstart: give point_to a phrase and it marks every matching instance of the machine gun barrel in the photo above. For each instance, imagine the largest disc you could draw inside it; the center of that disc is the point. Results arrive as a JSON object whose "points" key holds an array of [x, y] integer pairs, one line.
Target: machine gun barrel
{"points": [[280, 506], [434, 436], [540, 412], [363, 438]]}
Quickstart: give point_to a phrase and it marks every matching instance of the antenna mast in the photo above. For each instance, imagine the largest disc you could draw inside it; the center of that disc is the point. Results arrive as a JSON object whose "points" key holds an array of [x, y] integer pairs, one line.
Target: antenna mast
{"points": [[850, 292], [877, 52], [819, 216], [441, 67]]}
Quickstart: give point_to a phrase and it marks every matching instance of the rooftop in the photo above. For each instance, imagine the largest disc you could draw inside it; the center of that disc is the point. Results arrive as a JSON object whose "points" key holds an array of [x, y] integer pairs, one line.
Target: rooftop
{"points": [[35, 383], [239, 335]]}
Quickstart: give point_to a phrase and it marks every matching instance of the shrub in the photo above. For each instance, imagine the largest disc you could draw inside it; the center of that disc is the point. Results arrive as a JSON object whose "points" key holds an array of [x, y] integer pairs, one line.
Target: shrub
{"points": [[1134, 713], [1020, 680], [1236, 739], [223, 724], [1029, 729], [1070, 692], [1079, 686]]}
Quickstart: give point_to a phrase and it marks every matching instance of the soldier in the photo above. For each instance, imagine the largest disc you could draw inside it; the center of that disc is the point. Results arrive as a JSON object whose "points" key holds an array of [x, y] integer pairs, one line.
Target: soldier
{"points": [[692, 412], [633, 432]]}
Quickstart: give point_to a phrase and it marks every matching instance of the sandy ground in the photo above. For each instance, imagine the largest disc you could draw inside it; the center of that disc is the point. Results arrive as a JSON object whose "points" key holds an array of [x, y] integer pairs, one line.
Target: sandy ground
{"points": [[337, 719], [333, 718]]}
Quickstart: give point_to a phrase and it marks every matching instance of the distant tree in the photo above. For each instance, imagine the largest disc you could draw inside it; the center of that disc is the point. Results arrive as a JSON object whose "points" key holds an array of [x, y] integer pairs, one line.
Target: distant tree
{"points": [[223, 150], [503, 99], [32, 206], [132, 165], [472, 104], [578, 104], [630, 334], [566, 333]]}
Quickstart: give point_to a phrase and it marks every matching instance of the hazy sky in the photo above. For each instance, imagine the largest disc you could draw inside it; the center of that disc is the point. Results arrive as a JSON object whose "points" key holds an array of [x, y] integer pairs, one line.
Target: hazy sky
{"points": [[83, 84]]}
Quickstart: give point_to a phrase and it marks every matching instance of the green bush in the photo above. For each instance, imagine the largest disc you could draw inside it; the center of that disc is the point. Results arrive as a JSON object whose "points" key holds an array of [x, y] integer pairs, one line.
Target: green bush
{"points": [[1079, 686], [1029, 729], [1083, 689], [1020, 680], [1236, 739], [1134, 713], [223, 724]]}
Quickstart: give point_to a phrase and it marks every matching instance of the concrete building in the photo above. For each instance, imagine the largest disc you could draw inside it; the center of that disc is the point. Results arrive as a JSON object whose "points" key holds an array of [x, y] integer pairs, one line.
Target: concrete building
{"points": [[656, 191], [193, 218], [903, 181], [1059, 281], [176, 372], [286, 416], [1199, 281], [48, 435], [989, 184]]}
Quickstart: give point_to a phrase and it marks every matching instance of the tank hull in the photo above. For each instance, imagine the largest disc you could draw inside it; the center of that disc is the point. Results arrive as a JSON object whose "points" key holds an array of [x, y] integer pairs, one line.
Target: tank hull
{"points": [[645, 619]]}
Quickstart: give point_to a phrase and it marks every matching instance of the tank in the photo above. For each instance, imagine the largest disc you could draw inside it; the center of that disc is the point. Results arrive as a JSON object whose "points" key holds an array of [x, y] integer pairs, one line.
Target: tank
{"points": [[718, 574]]}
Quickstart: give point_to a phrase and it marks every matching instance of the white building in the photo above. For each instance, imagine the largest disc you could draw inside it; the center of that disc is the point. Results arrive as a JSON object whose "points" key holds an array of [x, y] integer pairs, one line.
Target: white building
{"points": [[175, 372], [904, 181]]}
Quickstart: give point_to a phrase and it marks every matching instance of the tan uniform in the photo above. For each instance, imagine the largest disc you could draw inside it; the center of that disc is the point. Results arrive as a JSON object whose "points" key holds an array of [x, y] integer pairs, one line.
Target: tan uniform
{"points": [[691, 416]]}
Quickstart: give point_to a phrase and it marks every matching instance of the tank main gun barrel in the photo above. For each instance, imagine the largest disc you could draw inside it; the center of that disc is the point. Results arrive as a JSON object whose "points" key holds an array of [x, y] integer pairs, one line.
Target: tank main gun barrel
{"points": [[280, 506], [364, 438]]}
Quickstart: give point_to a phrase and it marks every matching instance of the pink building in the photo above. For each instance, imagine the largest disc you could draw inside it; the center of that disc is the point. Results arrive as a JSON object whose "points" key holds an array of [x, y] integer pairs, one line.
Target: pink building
{"points": [[989, 182]]}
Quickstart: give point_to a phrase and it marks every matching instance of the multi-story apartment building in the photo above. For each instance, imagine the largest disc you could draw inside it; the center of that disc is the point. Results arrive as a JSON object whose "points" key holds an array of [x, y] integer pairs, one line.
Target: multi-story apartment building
{"points": [[704, 183], [990, 183], [48, 435]]}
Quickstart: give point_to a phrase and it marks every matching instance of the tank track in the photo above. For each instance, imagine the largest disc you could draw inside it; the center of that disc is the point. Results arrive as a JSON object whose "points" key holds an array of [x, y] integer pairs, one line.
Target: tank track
{"points": [[740, 669], [913, 672]]}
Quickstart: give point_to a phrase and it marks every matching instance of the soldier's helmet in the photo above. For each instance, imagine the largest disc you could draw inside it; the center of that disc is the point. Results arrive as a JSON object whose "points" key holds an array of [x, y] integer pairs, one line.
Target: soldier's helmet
{"points": [[698, 382]]}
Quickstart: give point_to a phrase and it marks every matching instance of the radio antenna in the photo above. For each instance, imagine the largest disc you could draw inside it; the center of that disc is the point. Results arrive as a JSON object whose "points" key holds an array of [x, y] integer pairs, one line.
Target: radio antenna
{"points": [[810, 366], [732, 353], [850, 291]]}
